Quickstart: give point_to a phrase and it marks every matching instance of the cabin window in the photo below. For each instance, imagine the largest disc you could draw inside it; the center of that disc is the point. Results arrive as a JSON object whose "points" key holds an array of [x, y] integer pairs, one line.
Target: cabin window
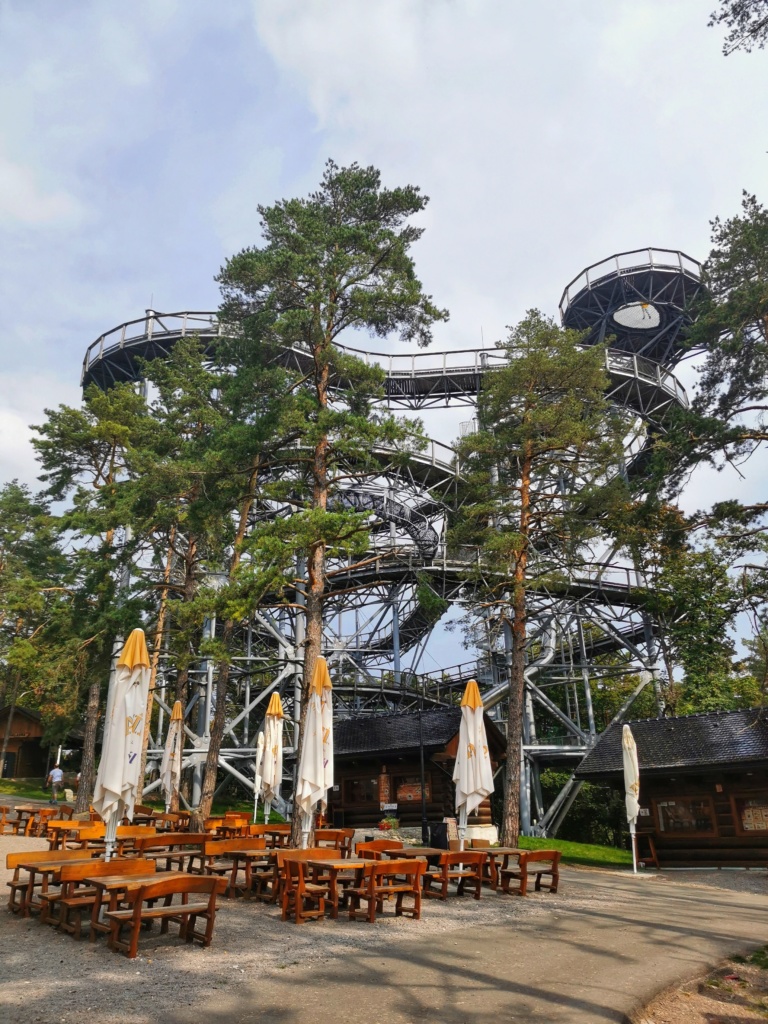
{"points": [[685, 816], [750, 813], [361, 791]]}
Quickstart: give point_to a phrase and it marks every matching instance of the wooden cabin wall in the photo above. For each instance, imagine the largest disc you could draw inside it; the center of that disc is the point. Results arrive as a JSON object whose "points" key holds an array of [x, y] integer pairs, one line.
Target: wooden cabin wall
{"points": [[730, 845], [441, 802]]}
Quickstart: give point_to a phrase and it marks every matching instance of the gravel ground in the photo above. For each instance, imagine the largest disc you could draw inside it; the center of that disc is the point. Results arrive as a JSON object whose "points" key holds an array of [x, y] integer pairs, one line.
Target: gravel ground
{"points": [[48, 977]]}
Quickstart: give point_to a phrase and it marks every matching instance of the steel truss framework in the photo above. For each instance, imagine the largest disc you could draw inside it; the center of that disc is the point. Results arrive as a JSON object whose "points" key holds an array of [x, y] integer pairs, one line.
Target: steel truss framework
{"points": [[585, 629]]}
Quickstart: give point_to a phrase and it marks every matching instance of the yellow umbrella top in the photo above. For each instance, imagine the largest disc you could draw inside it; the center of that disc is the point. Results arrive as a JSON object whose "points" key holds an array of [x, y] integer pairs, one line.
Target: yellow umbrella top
{"points": [[275, 706], [321, 679], [471, 698], [177, 715], [135, 651]]}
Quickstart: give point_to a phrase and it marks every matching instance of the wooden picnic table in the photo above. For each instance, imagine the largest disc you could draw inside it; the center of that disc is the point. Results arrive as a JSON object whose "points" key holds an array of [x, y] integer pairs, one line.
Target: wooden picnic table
{"points": [[25, 817], [116, 888], [494, 855], [247, 860], [47, 870], [333, 867], [280, 837], [414, 851]]}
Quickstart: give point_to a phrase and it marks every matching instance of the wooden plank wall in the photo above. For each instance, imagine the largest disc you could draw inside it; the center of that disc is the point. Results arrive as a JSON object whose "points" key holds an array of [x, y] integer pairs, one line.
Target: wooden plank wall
{"points": [[725, 849]]}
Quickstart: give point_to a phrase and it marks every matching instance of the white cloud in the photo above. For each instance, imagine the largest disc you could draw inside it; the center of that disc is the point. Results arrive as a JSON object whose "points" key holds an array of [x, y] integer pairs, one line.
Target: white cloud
{"points": [[548, 135], [24, 201], [23, 400]]}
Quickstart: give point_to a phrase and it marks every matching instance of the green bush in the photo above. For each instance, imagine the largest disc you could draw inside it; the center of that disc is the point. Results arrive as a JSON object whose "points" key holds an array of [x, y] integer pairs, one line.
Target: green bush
{"points": [[597, 815]]}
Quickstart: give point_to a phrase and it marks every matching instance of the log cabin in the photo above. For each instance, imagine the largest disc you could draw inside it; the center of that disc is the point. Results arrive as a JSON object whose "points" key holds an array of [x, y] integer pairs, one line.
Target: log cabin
{"points": [[377, 767], [703, 786], [26, 755]]}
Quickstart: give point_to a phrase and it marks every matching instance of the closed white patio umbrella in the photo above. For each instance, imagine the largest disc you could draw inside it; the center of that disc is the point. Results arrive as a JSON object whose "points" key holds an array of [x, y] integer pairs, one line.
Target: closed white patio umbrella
{"points": [[315, 776], [272, 765], [472, 772], [170, 766], [117, 781], [631, 786], [257, 774]]}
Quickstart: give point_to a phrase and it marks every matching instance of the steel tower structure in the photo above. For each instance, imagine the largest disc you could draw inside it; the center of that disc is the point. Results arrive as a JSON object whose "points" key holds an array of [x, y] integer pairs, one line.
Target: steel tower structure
{"points": [[641, 301]]}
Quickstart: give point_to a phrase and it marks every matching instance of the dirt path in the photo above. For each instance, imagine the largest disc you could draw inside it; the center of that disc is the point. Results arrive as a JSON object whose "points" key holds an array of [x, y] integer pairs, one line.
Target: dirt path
{"points": [[735, 993]]}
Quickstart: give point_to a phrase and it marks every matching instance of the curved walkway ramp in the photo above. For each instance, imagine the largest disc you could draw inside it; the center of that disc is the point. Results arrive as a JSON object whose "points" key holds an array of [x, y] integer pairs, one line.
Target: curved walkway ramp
{"points": [[419, 380]]}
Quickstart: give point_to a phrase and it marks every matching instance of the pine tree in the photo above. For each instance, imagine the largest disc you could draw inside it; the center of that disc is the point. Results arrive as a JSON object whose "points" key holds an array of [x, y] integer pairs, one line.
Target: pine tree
{"points": [[338, 261], [546, 444]]}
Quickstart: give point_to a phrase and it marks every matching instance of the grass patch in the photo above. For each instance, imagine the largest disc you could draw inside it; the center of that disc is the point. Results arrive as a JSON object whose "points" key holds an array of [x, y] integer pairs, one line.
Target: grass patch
{"points": [[30, 789], [27, 789], [580, 853], [759, 958]]}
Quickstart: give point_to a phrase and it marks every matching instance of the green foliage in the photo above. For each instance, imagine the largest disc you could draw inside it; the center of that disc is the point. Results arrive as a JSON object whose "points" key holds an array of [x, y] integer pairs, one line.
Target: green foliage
{"points": [[610, 694], [732, 324], [725, 691], [41, 651], [336, 260], [429, 600], [597, 815], [544, 415], [698, 600]]}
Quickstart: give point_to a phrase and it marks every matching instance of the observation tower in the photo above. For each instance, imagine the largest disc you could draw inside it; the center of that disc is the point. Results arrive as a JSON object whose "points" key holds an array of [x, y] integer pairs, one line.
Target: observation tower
{"points": [[588, 630]]}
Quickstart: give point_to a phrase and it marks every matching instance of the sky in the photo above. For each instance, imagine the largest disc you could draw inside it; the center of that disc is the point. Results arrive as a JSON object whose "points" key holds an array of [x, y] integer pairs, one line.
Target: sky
{"points": [[137, 140]]}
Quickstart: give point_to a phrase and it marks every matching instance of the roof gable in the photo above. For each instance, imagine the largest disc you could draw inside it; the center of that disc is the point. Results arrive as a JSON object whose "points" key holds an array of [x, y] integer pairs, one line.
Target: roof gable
{"points": [[394, 733], [691, 741], [35, 716]]}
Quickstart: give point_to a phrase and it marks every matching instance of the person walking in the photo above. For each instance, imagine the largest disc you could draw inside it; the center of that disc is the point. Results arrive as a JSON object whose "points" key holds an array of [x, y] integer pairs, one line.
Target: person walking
{"points": [[56, 778]]}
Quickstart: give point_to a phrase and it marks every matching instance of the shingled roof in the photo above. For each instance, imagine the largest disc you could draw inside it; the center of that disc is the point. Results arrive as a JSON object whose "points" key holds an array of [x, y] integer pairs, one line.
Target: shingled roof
{"points": [[690, 742], [392, 734]]}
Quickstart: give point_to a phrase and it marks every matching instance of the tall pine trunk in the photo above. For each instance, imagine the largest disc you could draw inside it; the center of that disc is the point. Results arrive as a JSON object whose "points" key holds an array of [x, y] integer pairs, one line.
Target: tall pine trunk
{"points": [[88, 763], [315, 586], [222, 681], [510, 826], [9, 721], [155, 659]]}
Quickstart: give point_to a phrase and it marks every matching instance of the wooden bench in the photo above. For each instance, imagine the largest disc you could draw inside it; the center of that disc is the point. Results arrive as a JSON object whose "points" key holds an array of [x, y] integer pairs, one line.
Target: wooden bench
{"points": [[532, 862], [463, 868], [72, 898], [382, 879], [171, 821], [174, 848], [374, 850], [279, 835], [18, 884], [185, 912], [7, 825], [297, 890], [89, 838], [339, 839]]}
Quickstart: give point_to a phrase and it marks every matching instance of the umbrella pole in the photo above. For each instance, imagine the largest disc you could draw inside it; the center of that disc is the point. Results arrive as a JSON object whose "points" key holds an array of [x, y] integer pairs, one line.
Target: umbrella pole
{"points": [[633, 838], [462, 825], [306, 828], [267, 811], [111, 835]]}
